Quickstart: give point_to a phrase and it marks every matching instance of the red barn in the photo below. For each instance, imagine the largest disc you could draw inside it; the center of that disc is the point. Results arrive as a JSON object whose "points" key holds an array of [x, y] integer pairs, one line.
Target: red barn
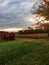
{"points": [[7, 36]]}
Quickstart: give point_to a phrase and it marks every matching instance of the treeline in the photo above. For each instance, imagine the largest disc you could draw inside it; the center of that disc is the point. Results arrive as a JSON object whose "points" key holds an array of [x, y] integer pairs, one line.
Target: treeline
{"points": [[37, 31]]}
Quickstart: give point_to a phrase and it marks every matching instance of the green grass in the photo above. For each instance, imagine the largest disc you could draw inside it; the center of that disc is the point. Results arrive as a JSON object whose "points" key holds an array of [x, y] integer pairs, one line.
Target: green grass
{"points": [[24, 52]]}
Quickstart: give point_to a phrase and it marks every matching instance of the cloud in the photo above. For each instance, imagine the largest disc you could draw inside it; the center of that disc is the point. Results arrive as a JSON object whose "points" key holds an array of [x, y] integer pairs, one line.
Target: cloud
{"points": [[4, 3], [13, 13]]}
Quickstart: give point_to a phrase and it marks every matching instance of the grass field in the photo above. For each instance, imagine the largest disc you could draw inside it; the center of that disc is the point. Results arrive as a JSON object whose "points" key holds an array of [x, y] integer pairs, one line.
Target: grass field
{"points": [[24, 52]]}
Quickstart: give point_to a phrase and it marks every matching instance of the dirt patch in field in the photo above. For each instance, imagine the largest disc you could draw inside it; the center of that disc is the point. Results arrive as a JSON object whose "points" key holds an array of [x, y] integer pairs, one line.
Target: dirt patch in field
{"points": [[33, 36]]}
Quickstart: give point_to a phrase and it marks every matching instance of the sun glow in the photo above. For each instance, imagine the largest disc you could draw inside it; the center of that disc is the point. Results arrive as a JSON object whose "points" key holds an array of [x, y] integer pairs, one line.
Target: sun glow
{"points": [[30, 19], [11, 29], [41, 19], [46, 21]]}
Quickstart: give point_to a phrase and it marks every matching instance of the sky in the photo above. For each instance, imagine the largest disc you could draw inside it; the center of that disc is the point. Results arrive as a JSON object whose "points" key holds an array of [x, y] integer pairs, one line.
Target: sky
{"points": [[16, 13]]}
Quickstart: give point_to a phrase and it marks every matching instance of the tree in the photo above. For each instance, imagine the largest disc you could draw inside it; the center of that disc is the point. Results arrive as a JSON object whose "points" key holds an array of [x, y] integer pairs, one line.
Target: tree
{"points": [[42, 11]]}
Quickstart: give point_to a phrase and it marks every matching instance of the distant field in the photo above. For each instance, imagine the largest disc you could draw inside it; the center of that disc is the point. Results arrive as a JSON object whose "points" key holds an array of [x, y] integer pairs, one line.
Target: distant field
{"points": [[34, 36], [24, 52]]}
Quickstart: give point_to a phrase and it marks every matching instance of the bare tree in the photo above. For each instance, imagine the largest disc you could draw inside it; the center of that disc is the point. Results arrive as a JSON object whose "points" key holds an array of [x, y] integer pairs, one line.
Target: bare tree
{"points": [[42, 9]]}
